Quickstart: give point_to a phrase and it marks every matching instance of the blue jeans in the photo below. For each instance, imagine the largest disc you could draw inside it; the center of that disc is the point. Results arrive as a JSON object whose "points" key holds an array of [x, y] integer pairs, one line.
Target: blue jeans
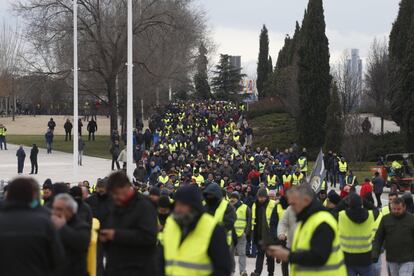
{"points": [[342, 177], [360, 270]]}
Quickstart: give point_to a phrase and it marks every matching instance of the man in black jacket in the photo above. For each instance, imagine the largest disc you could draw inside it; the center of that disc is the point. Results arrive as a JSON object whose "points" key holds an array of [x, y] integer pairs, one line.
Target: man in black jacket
{"points": [[68, 130], [92, 128], [130, 235], [396, 233], [37, 252], [74, 233], [33, 159]]}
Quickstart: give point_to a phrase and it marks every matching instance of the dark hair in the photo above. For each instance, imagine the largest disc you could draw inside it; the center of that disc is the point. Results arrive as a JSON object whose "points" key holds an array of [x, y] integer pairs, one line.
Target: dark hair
{"points": [[399, 201], [21, 190], [118, 180], [393, 194]]}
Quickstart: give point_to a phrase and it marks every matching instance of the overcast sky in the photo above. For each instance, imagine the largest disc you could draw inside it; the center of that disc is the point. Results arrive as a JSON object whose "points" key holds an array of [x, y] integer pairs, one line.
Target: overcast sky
{"points": [[236, 24]]}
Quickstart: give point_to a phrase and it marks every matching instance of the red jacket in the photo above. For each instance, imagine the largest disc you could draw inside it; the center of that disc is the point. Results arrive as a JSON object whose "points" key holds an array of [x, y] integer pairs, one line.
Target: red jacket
{"points": [[366, 188]]}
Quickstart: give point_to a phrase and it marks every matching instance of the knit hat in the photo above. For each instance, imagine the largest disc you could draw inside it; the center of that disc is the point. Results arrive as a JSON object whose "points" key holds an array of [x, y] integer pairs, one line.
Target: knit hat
{"points": [[262, 192], [235, 195], [190, 195], [334, 197], [47, 184]]}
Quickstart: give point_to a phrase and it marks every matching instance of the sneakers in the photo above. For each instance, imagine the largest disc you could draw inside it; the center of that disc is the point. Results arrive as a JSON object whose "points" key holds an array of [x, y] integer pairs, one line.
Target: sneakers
{"points": [[244, 274]]}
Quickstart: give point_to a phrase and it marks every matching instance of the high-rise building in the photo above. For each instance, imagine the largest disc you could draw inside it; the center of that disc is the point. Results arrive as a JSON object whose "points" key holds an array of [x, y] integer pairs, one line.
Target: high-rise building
{"points": [[354, 72], [235, 62]]}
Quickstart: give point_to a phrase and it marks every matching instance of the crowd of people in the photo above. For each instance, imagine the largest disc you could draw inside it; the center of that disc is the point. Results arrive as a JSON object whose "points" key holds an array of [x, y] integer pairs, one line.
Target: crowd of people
{"points": [[200, 196]]}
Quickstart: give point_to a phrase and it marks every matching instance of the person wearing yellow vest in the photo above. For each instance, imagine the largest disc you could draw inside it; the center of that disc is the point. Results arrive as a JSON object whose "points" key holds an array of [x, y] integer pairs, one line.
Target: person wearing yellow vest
{"points": [[351, 179], [355, 226], [287, 180], [297, 178], [3, 133], [220, 209], [194, 243], [342, 170], [198, 178], [163, 178], [271, 180], [242, 228], [262, 210], [315, 249], [303, 164]]}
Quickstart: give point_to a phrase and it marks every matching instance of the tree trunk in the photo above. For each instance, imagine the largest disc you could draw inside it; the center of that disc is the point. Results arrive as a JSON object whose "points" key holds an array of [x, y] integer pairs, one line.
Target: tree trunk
{"points": [[382, 125], [113, 104]]}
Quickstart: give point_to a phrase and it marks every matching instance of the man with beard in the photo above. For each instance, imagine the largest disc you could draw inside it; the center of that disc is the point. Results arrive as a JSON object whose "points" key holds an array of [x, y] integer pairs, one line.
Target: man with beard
{"points": [[130, 235], [395, 232], [194, 244]]}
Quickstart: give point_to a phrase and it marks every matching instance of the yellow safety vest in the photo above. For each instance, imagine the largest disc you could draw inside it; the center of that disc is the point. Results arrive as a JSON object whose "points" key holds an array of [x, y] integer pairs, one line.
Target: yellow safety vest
{"points": [[343, 167], [297, 179], [189, 257], [302, 242], [241, 222], [215, 128], [269, 209], [198, 179], [287, 179], [385, 210], [355, 238], [219, 217], [377, 223], [3, 131], [271, 181], [352, 182], [172, 147], [280, 211], [303, 164], [163, 179], [92, 255]]}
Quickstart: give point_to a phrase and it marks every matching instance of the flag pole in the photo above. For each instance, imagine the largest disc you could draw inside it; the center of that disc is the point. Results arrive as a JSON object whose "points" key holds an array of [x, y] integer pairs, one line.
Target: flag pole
{"points": [[75, 91], [130, 168]]}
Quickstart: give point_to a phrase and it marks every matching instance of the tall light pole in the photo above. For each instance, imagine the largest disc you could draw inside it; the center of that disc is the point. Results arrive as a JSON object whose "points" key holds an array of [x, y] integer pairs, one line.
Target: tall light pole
{"points": [[75, 90], [129, 149]]}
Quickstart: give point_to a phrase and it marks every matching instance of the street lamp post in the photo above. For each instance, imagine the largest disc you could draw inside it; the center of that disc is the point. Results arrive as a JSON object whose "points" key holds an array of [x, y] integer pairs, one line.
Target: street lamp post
{"points": [[75, 90], [130, 168]]}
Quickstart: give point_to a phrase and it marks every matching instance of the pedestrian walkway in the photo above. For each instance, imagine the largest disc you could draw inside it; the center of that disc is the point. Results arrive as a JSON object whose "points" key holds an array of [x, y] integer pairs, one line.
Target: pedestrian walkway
{"points": [[57, 166]]}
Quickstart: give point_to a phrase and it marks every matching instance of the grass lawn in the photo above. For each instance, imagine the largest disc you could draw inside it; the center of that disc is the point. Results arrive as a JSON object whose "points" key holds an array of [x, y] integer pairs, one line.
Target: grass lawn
{"points": [[98, 148], [275, 131]]}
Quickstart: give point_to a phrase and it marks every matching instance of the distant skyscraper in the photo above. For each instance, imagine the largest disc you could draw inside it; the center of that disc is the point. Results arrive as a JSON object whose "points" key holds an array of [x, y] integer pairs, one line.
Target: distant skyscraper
{"points": [[235, 62], [354, 70]]}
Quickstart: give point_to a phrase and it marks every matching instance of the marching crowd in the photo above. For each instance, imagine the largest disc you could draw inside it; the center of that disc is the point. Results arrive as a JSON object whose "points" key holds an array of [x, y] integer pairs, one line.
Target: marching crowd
{"points": [[202, 195]]}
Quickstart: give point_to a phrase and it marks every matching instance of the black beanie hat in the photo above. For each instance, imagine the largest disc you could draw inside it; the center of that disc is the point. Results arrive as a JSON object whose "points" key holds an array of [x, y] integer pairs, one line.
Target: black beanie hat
{"points": [[190, 195], [164, 202], [334, 197], [155, 191]]}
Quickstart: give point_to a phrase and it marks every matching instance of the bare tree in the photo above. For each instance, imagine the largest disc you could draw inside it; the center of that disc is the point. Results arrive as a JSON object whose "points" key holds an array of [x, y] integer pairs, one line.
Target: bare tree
{"points": [[164, 34], [10, 47], [349, 84], [376, 78]]}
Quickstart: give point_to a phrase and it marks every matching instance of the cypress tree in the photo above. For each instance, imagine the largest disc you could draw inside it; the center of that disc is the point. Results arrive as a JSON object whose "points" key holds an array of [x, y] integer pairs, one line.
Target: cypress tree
{"points": [[263, 63], [314, 77], [334, 122], [202, 88], [401, 68]]}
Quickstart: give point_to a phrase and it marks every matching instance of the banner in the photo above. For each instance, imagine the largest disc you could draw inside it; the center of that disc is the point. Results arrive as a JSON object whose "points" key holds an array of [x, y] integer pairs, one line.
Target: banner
{"points": [[318, 173]]}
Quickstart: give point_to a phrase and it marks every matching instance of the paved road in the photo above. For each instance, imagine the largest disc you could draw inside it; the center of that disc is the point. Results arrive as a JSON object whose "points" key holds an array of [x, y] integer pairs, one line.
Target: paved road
{"points": [[57, 166]]}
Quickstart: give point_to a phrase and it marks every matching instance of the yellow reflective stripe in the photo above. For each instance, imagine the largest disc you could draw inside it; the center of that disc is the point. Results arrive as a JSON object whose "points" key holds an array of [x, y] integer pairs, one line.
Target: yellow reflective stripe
{"points": [[189, 265], [355, 238]]}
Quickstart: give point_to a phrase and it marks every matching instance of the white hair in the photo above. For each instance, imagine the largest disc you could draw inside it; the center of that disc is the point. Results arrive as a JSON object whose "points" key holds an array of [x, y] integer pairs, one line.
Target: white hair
{"points": [[69, 202]]}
